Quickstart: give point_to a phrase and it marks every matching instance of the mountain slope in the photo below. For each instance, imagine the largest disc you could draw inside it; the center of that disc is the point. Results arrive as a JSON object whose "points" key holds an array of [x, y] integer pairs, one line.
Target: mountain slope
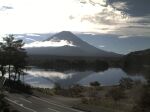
{"points": [[66, 43], [137, 58]]}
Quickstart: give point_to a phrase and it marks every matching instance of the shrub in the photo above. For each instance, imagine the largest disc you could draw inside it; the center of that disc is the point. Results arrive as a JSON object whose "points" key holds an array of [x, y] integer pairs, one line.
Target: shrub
{"points": [[84, 100], [116, 94], [57, 88], [126, 83], [143, 104], [95, 84]]}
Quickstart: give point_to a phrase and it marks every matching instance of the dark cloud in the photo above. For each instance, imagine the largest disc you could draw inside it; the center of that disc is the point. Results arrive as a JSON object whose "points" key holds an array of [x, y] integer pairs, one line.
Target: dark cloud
{"points": [[131, 27], [98, 19], [71, 17], [83, 2], [93, 3], [134, 8], [102, 17], [144, 21], [3, 8]]}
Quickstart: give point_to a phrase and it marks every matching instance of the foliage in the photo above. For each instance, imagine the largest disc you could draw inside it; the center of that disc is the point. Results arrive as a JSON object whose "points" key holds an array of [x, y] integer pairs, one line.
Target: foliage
{"points": [[3, 104], [126, 83], [116, 94], [65, 64], [75, 90], [137, 59], [95, 84], [17, 86], [12, 56], [57, 88], [91, 101], [143, 104], [84, 100]]}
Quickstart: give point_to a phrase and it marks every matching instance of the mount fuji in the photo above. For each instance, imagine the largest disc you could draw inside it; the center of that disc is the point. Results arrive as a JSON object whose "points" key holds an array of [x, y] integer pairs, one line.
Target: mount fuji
{"points": [[66, 43]]}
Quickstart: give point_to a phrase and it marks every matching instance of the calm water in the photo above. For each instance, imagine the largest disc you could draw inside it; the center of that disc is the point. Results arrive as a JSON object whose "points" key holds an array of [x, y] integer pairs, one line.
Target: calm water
{"points": [[46, 79]]}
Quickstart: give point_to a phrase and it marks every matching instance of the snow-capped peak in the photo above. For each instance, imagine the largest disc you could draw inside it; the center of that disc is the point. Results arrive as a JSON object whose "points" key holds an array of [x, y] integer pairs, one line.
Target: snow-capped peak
{"points": [[66, 35], [64, 38], [65, 43]]}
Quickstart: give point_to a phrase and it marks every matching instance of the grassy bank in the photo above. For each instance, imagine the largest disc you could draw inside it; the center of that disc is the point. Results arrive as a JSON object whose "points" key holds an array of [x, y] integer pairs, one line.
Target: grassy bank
{"points": [[95, 98], [125, 97]]}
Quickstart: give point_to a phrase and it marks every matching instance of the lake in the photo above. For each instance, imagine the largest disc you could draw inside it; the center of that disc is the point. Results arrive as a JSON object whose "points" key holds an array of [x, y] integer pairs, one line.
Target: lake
{"points": [[47, 78]]}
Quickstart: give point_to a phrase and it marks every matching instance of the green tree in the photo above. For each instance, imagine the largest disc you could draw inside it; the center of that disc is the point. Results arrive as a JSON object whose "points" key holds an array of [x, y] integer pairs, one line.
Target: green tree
{"points": [[14, 55], [2, 62], [19, 63]]}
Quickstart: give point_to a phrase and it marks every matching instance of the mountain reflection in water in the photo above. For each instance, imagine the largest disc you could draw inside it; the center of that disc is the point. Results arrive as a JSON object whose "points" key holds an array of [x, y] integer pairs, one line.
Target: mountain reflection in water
{"points": [[46, 79]]}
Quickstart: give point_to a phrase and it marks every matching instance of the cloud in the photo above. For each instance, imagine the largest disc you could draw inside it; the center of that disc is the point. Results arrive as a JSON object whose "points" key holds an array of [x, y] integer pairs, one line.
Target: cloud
{"points": [[94, 2], [120, 5], [3, 8], [31, 39], [134, 7], [101, 46], [122, 17], [19, 36], [51, 75], [124, 36], [125, 17], [71, 17], [48, 44], [32, 34], [107, 14], [89, 33], [98, 2]]}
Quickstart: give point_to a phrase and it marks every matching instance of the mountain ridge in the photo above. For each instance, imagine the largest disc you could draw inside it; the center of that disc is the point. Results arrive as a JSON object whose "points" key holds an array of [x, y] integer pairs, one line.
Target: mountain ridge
{"points": [[78, 48]]}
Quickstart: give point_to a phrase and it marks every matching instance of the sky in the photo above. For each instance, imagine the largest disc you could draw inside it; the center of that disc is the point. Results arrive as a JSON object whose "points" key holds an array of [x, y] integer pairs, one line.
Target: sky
{"points": [[123, 18]]}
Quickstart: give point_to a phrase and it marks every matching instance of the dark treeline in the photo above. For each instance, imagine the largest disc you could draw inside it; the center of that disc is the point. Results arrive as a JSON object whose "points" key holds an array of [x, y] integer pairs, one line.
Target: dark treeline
{"points": [[137, 59], [74, 62], [81, 65], [137, 62]]}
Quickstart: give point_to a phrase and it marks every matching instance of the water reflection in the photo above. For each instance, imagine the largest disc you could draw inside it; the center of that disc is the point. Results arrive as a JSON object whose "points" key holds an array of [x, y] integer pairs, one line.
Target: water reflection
{"points": [[46, 79]]}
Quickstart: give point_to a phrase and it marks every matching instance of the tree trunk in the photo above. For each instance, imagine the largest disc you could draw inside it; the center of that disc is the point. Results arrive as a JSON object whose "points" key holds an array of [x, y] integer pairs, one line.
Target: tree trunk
{"points": [[3, 73], [9, 71], [15, 76], [2, 69], [19, 76]]}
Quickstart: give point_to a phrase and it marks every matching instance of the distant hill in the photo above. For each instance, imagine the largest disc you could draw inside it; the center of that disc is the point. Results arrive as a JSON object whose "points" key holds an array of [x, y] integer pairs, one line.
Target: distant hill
{"points": [[137, 58], [66, 43]]}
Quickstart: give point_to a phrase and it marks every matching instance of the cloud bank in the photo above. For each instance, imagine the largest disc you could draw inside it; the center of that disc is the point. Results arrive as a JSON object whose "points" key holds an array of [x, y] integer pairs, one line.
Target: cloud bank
{"points": [[48, 44], [122, 17]]}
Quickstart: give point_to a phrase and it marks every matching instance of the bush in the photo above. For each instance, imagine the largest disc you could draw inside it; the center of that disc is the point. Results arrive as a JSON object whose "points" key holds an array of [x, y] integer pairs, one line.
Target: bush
{"points": [[76, 90], [6, 110], [3, 104], [84, 100], [143, 104], [17, 86], [126, 83], [95, 84], [57, 88], [116, 94]]}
